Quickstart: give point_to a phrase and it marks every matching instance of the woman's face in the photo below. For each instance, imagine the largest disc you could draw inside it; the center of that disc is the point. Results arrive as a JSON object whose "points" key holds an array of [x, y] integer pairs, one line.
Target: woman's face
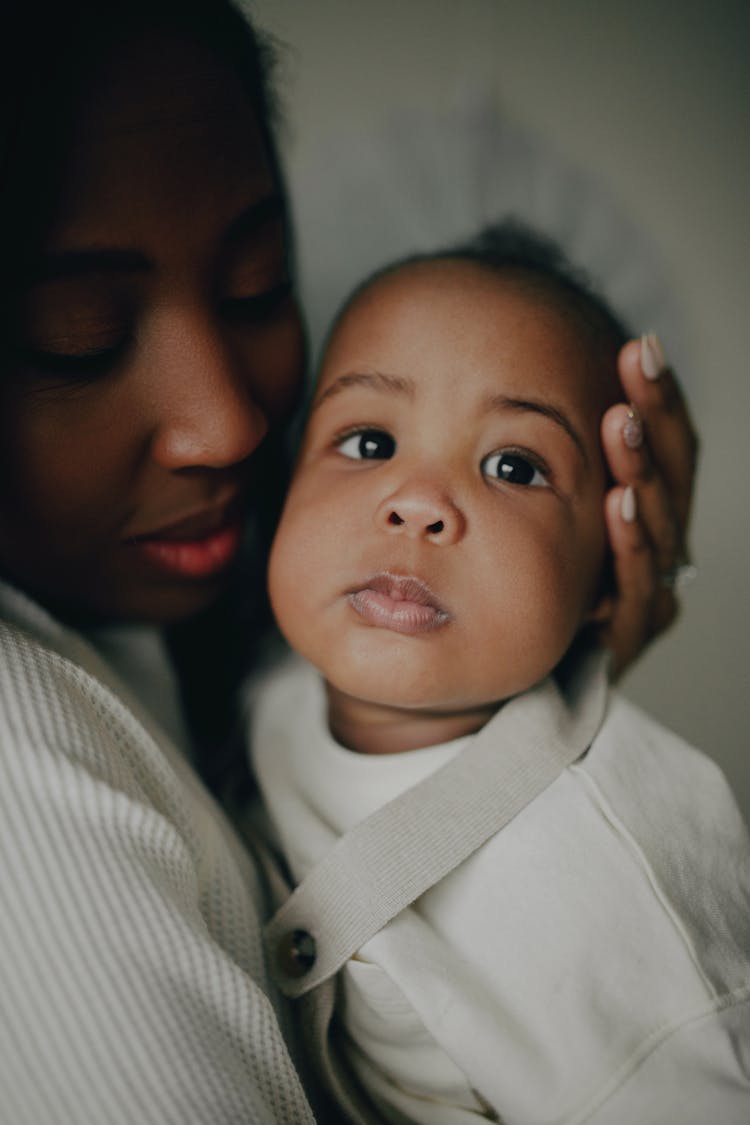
{"points": [[158, 341]]}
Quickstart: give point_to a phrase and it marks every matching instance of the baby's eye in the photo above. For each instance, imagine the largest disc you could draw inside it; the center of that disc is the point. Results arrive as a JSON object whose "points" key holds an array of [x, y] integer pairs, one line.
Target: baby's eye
{"points": [[367, 445], [514, 468]]}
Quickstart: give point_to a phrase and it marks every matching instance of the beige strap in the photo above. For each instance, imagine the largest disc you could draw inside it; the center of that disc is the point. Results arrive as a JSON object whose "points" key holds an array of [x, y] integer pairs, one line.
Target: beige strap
{"points": [[388, 860]]}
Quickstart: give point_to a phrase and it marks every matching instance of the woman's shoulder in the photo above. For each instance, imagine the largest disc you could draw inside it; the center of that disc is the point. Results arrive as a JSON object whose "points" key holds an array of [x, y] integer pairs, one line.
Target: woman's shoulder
{"points": [[71, 731], [42, 659], [78, 753], [58, 701], [131, 912], [44, 690]]}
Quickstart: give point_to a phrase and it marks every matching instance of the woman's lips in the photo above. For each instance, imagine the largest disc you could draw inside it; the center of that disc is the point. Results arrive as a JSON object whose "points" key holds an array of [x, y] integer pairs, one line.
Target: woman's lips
{"points": [[199, 547], [403, 604]]}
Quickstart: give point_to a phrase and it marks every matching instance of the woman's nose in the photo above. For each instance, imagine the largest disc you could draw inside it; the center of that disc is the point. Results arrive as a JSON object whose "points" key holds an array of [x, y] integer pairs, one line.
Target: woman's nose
{"points": [[421, 510], [206, 414]]}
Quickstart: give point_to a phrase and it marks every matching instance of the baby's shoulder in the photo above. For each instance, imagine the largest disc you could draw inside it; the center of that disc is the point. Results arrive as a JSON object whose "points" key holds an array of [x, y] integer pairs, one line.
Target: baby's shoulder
{"points": [[670, 806], [642, 764]]}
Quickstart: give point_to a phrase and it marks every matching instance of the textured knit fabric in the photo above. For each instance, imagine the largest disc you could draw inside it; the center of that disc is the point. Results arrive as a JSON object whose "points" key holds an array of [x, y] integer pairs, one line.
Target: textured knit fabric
{"points": [[591, 962], [138, 655], [132, 981]]}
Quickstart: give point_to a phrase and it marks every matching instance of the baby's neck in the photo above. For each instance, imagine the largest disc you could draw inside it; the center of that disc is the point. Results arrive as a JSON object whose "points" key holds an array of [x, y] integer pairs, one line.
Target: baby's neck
{"points": [[374, 728]]}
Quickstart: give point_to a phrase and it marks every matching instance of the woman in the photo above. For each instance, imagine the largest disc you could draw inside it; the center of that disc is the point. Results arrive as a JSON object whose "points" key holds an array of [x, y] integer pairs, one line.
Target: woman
{"points": [[151, 352]]}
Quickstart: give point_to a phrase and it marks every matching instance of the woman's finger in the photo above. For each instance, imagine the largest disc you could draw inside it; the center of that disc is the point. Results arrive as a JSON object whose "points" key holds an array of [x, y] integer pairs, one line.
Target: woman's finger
{"points": [[630, 462], [642, 606], [652, 388]]}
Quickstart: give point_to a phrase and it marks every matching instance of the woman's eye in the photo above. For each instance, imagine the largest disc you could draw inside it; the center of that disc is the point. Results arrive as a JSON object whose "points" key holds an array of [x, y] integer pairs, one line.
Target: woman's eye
{"points": [[257, 307], [367, 445], [74, 365], [514, 468]]}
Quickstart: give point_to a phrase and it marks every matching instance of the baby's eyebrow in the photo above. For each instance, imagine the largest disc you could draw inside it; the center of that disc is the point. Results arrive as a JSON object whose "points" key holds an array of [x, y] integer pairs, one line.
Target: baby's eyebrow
{"points": [[374, 380], [537, 406]]}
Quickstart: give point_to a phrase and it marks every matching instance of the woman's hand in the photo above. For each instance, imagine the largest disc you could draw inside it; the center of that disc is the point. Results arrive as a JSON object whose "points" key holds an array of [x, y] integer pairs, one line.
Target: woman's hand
{"points": [[652, 449]]}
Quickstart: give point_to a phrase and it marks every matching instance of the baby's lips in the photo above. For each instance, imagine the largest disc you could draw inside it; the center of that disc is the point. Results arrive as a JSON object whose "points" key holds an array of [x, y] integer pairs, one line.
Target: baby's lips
{"points": [[403, 587]]}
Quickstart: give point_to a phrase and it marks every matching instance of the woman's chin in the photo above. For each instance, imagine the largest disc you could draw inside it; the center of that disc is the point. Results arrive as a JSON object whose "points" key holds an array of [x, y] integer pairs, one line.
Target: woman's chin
{"points": [[168, 606], [165, 605]]}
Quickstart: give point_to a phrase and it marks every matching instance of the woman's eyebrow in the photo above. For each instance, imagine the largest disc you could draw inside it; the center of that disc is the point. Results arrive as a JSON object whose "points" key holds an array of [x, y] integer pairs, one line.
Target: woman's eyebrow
{"points": [[538, 406], [255, 217], [79, 262], [374, 380], [88, 260]]}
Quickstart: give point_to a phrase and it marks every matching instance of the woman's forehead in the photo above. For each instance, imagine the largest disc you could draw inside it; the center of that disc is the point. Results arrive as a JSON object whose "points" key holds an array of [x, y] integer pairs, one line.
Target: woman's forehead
{"points": [[157, 80], [167, 130]]}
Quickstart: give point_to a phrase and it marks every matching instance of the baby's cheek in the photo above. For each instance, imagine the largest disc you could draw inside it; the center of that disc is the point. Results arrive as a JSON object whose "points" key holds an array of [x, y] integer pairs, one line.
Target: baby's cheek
{"points": [[298, 575], [539, 615], [285, 585]]}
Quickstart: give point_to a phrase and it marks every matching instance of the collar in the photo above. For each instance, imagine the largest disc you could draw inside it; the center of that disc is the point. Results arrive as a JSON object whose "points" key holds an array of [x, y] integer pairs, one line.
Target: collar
{"points": [[386, 861]]}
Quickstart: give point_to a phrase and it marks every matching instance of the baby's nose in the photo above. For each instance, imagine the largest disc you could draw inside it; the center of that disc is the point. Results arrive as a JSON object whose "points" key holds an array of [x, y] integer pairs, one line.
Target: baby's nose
{"points": [[421, 512]]}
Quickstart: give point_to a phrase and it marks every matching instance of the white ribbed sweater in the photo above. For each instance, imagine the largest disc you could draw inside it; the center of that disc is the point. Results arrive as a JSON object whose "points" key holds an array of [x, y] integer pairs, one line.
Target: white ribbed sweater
{"points": [[132, 981]]}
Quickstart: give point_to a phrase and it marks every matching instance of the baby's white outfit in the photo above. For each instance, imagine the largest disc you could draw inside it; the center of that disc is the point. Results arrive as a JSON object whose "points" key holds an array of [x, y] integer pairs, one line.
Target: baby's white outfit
{"points": [[589, 962]]}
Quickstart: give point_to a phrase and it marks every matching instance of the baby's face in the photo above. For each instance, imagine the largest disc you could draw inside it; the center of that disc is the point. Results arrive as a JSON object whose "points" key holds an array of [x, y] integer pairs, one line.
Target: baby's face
{"points": [[443, 538]]}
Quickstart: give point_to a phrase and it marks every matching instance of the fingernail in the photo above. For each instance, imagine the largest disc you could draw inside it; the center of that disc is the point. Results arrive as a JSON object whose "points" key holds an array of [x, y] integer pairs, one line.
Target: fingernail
{"points": [[628, 508], [653, 360], [632, 430]]}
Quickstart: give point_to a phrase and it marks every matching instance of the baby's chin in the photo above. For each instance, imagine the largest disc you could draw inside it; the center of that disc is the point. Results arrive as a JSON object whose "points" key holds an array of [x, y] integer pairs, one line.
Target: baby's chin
{"points": [[378, 725], [415, 691], [438, 673]]}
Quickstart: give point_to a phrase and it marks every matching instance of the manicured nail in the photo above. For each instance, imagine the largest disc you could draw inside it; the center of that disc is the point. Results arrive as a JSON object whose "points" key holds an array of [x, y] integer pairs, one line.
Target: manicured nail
{"points": [[628, 508], [632, 430], [653, 360]]}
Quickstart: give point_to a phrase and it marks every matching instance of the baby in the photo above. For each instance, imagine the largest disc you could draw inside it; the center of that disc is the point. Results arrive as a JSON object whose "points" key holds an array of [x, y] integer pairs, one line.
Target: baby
{"points": [[584, 956]]}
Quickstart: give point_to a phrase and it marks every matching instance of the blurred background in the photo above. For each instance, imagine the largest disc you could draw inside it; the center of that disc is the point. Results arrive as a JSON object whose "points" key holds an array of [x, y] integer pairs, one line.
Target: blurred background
{"points": [[622, 129]]}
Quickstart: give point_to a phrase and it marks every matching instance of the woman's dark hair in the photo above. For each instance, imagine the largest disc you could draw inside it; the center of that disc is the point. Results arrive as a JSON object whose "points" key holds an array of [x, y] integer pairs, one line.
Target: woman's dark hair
{"points": [[49, 52]]}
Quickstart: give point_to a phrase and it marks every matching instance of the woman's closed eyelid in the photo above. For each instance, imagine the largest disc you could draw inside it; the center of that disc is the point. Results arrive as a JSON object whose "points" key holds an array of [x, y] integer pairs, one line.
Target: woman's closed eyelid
{"points": [[81, 365], [74, 323], [256, 306]]}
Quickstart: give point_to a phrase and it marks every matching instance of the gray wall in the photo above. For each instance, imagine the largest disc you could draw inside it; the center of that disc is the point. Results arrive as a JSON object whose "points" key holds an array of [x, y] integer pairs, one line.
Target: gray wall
{"points": [[646, 103]]}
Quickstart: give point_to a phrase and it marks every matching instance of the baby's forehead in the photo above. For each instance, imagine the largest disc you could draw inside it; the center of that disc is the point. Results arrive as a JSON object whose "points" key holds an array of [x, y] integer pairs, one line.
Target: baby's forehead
{"points": [[447, 297], [412, 278], [442, 279]]}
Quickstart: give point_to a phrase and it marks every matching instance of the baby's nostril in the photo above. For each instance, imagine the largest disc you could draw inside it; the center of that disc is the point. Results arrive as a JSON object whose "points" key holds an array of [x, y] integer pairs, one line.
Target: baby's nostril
{"points": [[436, 527], [394, 517]]}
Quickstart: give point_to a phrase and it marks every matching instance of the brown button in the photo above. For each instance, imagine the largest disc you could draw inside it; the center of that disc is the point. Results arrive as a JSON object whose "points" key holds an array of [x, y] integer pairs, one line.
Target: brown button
{"points": [[296, 953]]}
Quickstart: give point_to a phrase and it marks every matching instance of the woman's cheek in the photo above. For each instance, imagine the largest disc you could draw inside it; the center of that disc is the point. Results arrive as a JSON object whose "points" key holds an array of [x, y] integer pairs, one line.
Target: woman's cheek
{"points": [[71, 467], [277, 365]]}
